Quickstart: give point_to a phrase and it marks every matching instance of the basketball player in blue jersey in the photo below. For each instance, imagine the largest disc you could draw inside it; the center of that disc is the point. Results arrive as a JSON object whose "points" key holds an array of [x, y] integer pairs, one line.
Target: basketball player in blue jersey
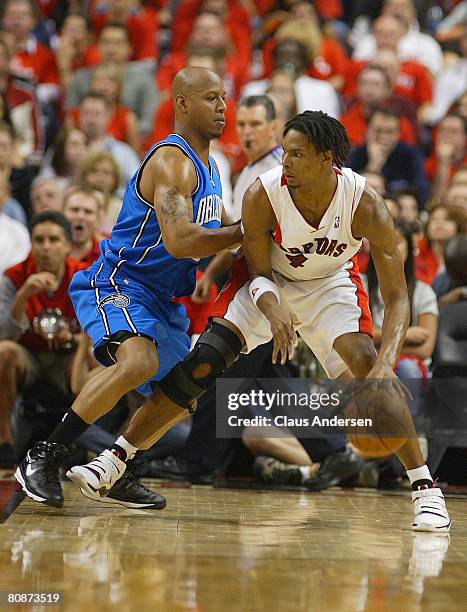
{"points": [[170, 220]]}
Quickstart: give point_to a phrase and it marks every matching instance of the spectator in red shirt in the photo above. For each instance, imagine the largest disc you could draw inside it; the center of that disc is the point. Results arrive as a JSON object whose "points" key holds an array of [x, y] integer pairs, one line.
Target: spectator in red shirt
{"points": [[234, 16], [28, 290], [82, 209], [32, 59], [73, 48], [107, 80], [443, 223], [209, 33], [449, 153], [138, 91], [141, 24], [409, 80], [25, 111], [373, 91], [164, 117]]}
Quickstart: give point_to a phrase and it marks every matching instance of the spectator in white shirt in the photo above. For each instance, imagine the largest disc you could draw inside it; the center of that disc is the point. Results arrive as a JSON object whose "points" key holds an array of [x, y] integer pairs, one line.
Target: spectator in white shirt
{"points": [[94, 116], [413, 45], [14, 237]]}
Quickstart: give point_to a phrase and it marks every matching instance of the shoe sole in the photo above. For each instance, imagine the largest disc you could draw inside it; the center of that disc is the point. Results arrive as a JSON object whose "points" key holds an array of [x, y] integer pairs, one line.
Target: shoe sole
{"points": [[112, 501], [37, 498], [431, 528]]}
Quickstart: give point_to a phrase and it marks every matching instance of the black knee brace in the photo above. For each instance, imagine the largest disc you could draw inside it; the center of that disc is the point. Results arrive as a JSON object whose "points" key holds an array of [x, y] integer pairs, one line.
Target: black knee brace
{"points": [[218, 347]]}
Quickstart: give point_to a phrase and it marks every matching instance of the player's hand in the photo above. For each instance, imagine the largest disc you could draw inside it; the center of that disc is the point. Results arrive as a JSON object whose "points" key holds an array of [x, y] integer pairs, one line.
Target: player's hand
{"points": [[283, 322], [383, 375], [202, 290], [39, 282], [416, 335]]}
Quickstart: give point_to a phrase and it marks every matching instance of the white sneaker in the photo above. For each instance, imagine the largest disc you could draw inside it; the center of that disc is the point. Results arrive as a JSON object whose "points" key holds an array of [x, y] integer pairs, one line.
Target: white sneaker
{"points": [[430, 513], [98, 476]]}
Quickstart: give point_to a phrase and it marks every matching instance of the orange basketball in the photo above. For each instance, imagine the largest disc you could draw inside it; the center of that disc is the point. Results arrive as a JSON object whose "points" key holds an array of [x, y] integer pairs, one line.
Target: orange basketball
{"points": [[386, 421]]}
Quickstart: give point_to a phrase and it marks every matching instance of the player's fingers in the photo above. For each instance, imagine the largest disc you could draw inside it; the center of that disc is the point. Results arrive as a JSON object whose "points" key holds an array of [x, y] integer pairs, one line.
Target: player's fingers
{"points": [[275, 350], [403, 389]]}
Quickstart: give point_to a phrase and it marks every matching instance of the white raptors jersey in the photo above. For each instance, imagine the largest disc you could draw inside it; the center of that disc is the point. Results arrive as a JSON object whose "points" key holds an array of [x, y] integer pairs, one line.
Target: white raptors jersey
{"points": [[302, 252], [248, 176]]}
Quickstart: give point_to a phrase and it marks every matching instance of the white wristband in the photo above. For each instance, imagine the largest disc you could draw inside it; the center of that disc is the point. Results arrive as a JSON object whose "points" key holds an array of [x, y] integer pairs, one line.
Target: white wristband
{"points": [[261, 285]]}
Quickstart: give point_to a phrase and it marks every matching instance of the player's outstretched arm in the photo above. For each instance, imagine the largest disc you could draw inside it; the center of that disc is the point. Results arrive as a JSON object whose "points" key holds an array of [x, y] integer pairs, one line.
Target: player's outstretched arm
{"points": [[259, 223], [373, 221], [173, 180]]}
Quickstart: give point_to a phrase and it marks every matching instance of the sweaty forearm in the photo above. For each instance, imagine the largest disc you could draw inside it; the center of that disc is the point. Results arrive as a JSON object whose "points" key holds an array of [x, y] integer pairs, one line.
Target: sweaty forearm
{"points": [[203, 242], [219, 265], [395, 324]]}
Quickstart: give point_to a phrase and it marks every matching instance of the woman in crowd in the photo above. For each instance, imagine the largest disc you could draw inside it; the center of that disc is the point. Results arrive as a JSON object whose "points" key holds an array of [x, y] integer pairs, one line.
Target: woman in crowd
{"points": [[98, 169], [68, 151], [443, 223]]}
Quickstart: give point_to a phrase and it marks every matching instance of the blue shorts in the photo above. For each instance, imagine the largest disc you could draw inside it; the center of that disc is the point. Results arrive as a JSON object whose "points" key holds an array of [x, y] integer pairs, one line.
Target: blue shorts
{"points": [[105, 306]]}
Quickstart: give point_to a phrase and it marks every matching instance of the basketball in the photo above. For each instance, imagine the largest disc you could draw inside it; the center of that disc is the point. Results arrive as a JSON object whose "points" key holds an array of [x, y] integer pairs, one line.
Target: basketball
{"points": [[387, 421]]}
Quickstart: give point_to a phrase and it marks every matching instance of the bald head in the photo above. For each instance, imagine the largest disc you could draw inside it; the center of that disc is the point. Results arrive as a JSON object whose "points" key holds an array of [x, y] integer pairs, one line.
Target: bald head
{"points": [[193, 79], [198, 96]]}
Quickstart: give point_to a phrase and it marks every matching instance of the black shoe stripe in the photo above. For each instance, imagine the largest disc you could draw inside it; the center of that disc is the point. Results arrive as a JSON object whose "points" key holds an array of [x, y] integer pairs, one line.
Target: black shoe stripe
{"points": [[95, 472], [428, 512]]}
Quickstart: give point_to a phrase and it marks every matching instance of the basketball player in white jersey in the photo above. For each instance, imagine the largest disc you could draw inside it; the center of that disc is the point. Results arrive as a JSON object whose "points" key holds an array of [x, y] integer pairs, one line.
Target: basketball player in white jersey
{"points": [[256, 131], [303, 225]]}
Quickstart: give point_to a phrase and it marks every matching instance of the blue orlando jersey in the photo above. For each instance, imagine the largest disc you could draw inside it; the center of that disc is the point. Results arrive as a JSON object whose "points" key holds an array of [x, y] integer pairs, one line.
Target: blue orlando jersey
{"points": [[135, 251]]}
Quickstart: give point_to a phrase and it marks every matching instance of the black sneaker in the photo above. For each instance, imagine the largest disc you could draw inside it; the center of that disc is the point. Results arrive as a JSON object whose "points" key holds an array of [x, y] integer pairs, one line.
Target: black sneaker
{"points": [[38, 473], [176, 468], [273, 471], [129, 492], [335, 469]]}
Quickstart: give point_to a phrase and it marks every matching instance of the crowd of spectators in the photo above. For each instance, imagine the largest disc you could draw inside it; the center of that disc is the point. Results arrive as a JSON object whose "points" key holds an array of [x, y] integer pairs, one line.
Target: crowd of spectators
{"points": [[85, 90]]}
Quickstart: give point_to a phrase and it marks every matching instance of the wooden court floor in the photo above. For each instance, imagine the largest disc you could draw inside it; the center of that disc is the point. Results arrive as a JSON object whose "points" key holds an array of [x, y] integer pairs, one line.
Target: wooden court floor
{"points": [[226, 550]]}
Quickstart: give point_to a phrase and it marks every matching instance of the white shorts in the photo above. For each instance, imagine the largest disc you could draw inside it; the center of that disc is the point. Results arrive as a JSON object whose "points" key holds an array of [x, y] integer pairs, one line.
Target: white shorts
{"points": [[326, 307]]}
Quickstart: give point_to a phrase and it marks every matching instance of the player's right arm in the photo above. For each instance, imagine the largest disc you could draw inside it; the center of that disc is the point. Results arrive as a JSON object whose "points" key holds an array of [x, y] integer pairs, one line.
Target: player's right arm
{"points": [[171, 177], [259, 222]]}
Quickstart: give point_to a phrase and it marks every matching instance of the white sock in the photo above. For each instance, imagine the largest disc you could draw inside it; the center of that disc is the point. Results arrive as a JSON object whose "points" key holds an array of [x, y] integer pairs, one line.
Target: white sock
{"points": [[127, 447], [420, 473], [305, 471]]}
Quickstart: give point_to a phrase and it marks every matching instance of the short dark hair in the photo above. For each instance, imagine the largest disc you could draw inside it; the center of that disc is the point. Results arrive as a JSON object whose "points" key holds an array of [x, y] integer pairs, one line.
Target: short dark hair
{"points": [[409, 191], [455, 257], [82, 16], [117, 26], [324, 132], [93, 95], [376, 68], [52, 216], [260, 100], [32, 5], [385, 112], [456, 114]]}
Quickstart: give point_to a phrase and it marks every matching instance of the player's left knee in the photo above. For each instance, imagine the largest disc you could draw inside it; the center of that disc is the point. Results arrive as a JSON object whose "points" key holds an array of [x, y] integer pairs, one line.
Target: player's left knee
{"points": [[217, 349]]}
